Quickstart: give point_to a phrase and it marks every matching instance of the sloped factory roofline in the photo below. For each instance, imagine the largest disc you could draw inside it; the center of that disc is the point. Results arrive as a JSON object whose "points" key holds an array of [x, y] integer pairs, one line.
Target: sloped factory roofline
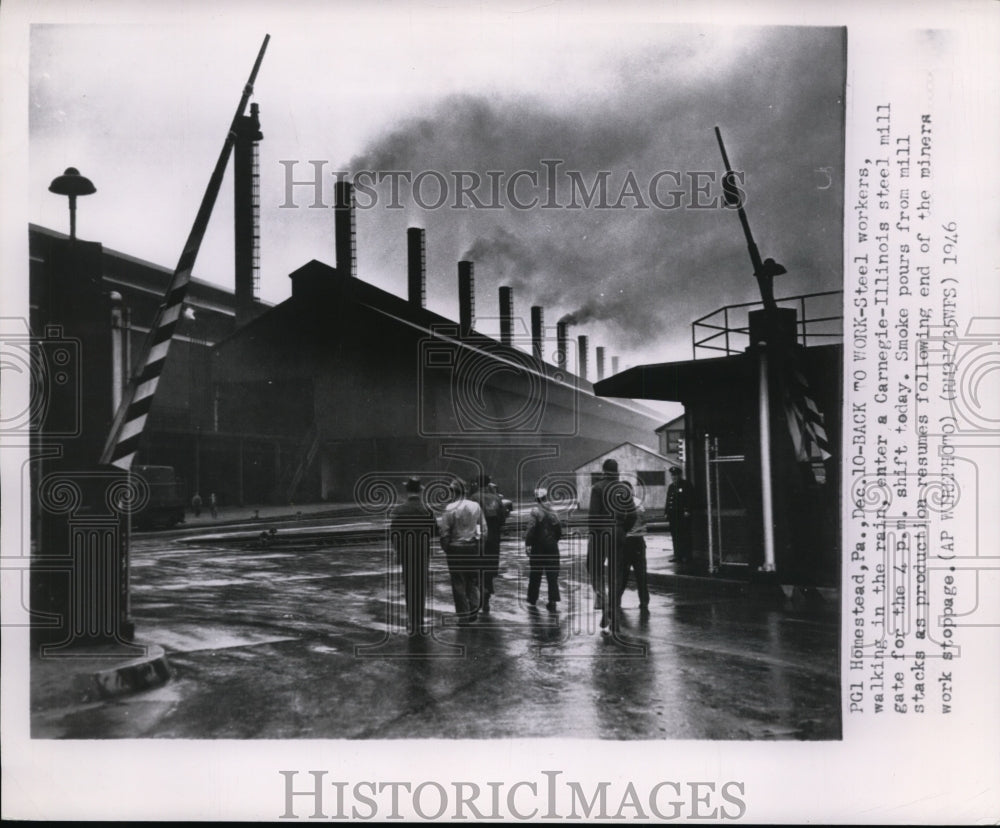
{"points": [[315, 279]]}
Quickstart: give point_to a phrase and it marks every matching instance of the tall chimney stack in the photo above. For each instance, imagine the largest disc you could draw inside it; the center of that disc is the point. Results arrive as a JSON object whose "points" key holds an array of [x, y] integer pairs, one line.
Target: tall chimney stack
{"points": [[416, 266], [506, 316], [344, 228], [600, 362], [562, 344], [614, 365], [582, 343], [537, 324], [466, 297], [246, 213]]}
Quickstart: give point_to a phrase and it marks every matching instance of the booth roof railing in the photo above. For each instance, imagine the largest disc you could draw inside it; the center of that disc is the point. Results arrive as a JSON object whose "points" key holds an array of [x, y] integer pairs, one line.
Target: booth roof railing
{"points": [[820, 318]]}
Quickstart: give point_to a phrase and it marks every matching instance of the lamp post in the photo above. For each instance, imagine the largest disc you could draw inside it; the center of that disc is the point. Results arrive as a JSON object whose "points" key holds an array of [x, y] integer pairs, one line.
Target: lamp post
{"points": [[71, 184]]}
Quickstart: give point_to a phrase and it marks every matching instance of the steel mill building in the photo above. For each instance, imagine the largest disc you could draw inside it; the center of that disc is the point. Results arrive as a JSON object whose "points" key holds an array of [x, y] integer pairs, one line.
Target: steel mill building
{"points": [[304, 400], [297, 402]]}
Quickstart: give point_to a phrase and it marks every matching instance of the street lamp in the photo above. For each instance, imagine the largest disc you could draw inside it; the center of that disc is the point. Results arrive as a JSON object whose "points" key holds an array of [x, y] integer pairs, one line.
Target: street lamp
{"points": [[72, 184]]}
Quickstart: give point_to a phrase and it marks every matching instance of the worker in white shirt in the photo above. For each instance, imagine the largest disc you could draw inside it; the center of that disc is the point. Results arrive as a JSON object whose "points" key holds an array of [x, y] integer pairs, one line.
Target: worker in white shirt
{"points": [[462, 531]]}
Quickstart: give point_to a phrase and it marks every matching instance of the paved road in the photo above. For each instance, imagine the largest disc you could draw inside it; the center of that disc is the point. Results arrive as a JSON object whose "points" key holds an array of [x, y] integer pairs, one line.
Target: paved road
{"points": [[302, 640]]}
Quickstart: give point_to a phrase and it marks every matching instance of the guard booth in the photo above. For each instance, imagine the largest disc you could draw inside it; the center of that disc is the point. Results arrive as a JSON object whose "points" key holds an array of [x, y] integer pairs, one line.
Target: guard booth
{"points": [[745, 423]]}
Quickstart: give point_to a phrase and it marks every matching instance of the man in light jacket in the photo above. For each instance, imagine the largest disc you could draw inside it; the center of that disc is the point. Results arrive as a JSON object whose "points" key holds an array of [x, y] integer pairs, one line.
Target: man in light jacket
{"points": [[462, 531]]}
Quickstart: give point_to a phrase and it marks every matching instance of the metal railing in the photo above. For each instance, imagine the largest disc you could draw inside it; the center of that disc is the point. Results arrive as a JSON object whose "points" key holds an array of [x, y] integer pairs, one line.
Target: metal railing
{"points": [[727, 329]]}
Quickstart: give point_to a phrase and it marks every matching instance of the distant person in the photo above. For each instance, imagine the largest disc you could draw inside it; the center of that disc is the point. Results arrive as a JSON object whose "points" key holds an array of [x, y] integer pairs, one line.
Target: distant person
{"points": [[677, 511], [633, 559], [484, 493], [542, 541], [410, 531], [462, 531], [213, 505], [196, 504]]}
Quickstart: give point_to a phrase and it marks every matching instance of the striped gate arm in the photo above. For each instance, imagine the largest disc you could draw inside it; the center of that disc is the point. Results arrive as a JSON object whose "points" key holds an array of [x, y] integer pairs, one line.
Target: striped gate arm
{"points": [[130, 418]]}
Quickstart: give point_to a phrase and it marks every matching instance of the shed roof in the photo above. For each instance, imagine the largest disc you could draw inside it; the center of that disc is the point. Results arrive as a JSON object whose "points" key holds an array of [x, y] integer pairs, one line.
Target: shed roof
{"points": [[686, 381], [645, 449]]}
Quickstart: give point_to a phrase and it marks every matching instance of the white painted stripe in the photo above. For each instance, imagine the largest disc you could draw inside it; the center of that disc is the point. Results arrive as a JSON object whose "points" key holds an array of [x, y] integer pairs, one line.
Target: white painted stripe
{"points": [[158, 351], [124, 462], [147, 389], [132, 428]]}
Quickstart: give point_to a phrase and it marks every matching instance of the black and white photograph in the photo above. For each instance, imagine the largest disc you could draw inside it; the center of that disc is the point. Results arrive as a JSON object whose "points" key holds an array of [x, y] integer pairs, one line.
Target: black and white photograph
{"points": [[515, 411]]}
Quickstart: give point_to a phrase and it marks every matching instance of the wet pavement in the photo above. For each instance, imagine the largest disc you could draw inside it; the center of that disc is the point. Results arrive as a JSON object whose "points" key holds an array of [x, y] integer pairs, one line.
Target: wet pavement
{"points": [[304, 639]]}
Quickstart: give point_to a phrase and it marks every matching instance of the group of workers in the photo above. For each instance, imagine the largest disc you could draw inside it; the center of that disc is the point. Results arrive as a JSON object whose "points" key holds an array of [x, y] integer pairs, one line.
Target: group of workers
{"points": [[469, 532]]}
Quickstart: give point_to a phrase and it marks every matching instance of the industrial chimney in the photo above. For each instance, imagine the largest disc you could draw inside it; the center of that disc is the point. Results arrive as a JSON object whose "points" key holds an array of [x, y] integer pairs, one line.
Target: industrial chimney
{"points": [[246, 213], [614, 365], [562, 344], [466, 298], [506, 316], [582, 343], [416, 266], [344, 229], [536, 332], [600, 362]]}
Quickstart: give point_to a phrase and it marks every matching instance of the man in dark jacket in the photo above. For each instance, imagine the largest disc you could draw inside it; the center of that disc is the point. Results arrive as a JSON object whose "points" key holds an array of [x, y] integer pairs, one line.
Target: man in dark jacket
{"points": [[610, 517], [411, 529], [600, 528], [495, 514], [677, 511], [542, 542]]}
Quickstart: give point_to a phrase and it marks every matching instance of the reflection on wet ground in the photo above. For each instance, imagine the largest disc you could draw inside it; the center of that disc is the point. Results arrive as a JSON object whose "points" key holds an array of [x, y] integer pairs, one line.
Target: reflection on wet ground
{"points": [[308, 643]]}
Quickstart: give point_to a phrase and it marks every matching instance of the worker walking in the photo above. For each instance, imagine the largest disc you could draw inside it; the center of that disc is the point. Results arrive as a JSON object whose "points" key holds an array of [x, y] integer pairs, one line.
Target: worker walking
{"points": [[542, 541], [633, 559], [600, 529], [462, 530], [410, 531], [495, 515]]}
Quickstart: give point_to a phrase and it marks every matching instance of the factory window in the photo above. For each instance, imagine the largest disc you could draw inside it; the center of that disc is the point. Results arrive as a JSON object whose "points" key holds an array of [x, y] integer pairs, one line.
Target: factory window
{"points": [[674, 439], [652, 478]]}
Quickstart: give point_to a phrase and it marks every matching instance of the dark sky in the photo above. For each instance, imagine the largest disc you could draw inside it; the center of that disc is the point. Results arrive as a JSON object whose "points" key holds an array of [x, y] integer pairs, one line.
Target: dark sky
{"points": [[624, 98]]}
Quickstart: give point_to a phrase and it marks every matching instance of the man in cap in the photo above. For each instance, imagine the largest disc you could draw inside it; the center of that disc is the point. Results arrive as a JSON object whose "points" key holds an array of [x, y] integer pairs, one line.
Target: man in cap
{"points": [[463, 529], [600, 529], [542, 541], [611, 515], [410, 530], [677, 511]]}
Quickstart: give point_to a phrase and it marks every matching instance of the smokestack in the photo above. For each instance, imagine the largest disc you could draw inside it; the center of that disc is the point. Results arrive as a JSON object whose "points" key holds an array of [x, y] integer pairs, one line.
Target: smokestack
{"points": [[614, 365], [562, 354], [536, 332], [600, 362], [416, 266], [582, 343], [344, 228], [466, 297], [506, 316], [246, 213]]}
